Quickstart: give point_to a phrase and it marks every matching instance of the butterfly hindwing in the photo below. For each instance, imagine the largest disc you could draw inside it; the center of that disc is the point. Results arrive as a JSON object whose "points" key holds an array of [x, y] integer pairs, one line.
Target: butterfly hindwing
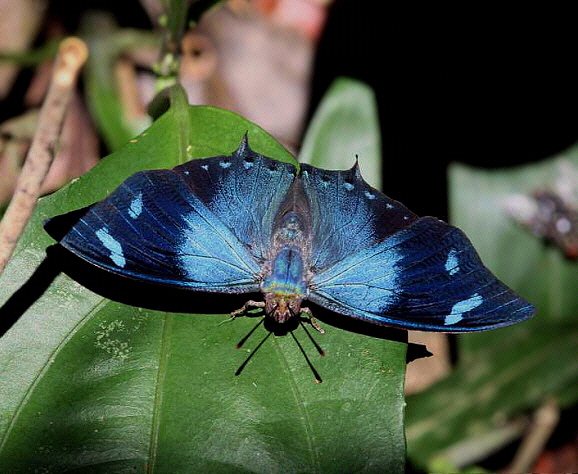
{"points": [[427, 276], [200, 225]]}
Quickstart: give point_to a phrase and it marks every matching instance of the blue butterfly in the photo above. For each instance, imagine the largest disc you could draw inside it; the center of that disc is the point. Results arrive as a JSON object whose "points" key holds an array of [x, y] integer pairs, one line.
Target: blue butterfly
{"points": [[247, 223]]}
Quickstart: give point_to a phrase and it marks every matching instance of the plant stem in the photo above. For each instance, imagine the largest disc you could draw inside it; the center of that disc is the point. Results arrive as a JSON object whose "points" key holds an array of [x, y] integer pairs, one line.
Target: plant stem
{"points": [[72, 54]]}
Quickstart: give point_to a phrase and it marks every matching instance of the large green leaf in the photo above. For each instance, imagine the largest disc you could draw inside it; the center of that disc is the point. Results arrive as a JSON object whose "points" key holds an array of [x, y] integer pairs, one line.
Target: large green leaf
{"points": [[503, 374], [93, 385]]}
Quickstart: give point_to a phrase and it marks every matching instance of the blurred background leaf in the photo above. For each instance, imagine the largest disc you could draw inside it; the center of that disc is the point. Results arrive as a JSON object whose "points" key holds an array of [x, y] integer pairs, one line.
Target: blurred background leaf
{"points": [[113, 108], [344, 126]]}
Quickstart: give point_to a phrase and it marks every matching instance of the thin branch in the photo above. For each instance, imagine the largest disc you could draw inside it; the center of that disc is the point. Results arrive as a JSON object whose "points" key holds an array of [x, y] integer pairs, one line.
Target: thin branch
{"points": [[545, 421], [72, 54]]}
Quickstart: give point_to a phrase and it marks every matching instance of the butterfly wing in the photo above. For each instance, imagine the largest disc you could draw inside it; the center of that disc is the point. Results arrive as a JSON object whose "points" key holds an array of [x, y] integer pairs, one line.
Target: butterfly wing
{"points": [[244, 191], [373, 259], [347, 214], [427, 276], [203, 225]]}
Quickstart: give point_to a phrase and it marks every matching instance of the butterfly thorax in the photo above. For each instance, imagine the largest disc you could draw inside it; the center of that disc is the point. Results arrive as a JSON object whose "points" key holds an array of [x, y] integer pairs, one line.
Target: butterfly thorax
{"points": [[284, 285]]}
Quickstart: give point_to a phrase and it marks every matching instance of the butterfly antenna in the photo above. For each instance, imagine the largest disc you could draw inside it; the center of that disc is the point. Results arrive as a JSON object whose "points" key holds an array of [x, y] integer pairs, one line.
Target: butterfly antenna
{"points": [[248, 335], [242, 366], [315, 373], [317, 346]]}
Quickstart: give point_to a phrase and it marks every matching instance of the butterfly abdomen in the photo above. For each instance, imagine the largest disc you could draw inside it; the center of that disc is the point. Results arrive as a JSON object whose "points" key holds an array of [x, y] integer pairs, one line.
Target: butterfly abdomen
{"points": [[287, 274], [285, 287]]}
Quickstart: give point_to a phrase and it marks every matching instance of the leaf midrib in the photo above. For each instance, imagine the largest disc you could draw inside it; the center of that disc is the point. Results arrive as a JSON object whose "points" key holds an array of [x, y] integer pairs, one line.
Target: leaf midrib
{"points": [[159, 385], [304, 414]]}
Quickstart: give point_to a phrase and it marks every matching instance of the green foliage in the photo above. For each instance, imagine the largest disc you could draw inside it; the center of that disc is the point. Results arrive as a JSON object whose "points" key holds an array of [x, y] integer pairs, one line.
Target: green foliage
{"points": [[32, 57], [93, 385]]}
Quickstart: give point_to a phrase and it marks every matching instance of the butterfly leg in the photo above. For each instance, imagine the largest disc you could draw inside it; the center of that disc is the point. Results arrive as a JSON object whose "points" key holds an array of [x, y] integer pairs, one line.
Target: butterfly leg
{"points": [[311, 320], [246, 306]]}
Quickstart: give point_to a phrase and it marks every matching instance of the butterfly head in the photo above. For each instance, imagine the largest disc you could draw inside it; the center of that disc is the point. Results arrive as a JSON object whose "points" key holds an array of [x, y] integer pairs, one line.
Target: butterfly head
{"points": [[282, 307]]}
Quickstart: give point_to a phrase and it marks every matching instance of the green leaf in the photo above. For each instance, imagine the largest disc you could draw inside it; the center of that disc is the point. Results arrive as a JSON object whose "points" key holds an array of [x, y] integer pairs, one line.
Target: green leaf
{"points": [[505, 373], [92, 385], [345, 125]]}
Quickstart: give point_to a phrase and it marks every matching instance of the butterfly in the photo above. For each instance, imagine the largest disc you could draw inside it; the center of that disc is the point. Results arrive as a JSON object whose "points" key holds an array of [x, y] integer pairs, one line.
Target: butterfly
{"points": [[247, 223]]}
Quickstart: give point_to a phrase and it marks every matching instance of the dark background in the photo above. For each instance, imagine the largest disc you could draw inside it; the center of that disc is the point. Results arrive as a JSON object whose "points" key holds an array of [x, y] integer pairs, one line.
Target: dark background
{"points": [[491, 88]]}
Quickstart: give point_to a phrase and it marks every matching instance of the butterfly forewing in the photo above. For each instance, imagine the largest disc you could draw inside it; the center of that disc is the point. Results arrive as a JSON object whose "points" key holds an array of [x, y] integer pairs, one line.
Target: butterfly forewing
{"points": [[244, 191], [168, 237], [203, 225]]}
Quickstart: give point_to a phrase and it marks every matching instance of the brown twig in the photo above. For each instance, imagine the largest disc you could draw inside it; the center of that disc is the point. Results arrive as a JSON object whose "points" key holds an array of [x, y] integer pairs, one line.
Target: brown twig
{"points": [[72, 54], [545, 421]]}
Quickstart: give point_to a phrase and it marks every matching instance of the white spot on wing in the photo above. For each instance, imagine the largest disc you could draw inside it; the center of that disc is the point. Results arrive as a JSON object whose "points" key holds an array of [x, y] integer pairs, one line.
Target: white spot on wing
{"points": [[348, 186], [452, 266], [461, 307], [224, 164], [135, 206], [369, 195], [247, 164], [113, 245]]}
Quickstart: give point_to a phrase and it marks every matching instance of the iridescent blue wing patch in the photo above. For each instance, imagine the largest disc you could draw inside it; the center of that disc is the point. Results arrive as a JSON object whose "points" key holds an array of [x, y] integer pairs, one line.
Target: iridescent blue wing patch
{"points": [[426, 276], [347, 214], [203, 225], [244, 191]]}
